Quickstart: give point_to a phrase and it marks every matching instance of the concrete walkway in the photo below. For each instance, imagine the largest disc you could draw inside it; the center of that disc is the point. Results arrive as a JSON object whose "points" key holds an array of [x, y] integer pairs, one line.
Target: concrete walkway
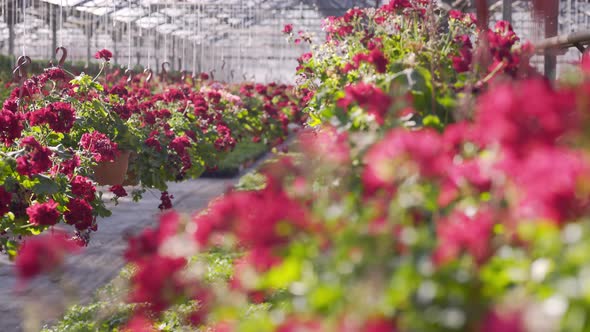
{"points": [[45, 299]]}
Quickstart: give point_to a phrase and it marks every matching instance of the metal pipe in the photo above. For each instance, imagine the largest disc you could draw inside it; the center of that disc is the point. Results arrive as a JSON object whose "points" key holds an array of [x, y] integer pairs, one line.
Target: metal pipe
{"points": [[507, 10], [563, 41]]}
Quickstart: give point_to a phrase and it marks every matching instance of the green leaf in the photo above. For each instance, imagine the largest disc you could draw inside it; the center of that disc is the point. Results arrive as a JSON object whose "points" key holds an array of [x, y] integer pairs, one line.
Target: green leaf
{"points": [[432, 121], [45, 186], [282, 276], [324, 297]]}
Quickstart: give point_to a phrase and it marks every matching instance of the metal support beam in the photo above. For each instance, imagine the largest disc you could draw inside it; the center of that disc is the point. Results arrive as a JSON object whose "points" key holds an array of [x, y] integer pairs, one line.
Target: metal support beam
{"points": [[562, 42], [551, 29], [507, 10], [547, 12]]}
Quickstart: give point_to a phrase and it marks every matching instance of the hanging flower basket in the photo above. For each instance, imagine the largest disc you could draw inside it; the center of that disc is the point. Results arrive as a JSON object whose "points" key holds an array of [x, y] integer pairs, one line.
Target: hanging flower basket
{"points": [[112, 173], [131, 178]]}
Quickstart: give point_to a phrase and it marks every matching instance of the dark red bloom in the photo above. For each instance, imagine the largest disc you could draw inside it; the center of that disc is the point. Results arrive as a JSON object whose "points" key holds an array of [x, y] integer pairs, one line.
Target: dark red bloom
{"points": [[68, 167], [61, 117], [79, 214], [55, 74], [5, 200], [225, 141], [43, 253], [101, 147], [166, 201], [103, 54], [123, 111], [378, 59], [11, 125], [173, 95], [120, 90], [462, 62], [83, 188], [43, 214], [36, 160], [179, 144], [153, 143], [118, 190]]}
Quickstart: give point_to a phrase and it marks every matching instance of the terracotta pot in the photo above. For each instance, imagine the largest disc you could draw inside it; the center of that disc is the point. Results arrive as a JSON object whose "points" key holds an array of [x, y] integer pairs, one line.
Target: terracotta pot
{"points": [[112, 173], [131, 179]]}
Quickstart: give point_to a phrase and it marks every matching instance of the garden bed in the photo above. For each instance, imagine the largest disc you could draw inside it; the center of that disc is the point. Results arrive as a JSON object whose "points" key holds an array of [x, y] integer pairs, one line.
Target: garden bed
{"points": [[244, 155]]}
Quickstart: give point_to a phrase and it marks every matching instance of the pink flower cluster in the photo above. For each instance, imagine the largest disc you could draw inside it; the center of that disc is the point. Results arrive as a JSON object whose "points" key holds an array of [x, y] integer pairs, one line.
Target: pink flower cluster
{"points": [[369, 97], [43, 254]]}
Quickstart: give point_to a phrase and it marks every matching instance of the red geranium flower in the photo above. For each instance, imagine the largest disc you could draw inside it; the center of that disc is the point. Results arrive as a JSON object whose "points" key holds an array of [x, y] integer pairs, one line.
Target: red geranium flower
{"points": [[61, 117], [288, 29], [82, 187], [43, 214], [166, 201], [5, 200], [101, 147], [455, 14], [55, 74], [68, 167], [43, 253], [11, 125], [103, 54], [36, 161], [79, 214], [369, 97], [118, 190], [158, 281]]}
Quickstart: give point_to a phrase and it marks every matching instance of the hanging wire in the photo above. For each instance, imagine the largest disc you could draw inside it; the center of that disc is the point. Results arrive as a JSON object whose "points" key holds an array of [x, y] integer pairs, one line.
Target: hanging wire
{"points": [[166, 38], [105, 23], [194, 34], [212, 49], [129, 35], [24, 27], [201, 39], [242, 26], [61, 22], [149, 34], [183, 42]]}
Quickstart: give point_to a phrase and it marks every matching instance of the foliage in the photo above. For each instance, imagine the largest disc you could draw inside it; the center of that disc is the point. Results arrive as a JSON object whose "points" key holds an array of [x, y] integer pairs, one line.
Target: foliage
{"points": [[389, 222]]}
